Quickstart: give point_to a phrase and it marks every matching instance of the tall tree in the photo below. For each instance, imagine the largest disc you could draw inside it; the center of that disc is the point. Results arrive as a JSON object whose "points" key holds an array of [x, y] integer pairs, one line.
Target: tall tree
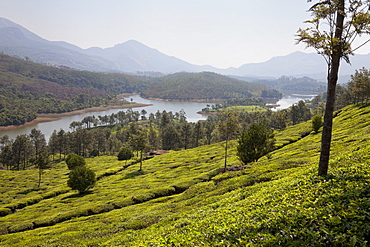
{"points": [[21, 151], [41, 161], [38, 140], [359, 85], [335, 26], [139, 143]]}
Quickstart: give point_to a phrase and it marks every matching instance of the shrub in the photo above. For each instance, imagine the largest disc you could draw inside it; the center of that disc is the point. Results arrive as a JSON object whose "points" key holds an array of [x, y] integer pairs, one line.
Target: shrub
{"points": [[125, 153], [73, 160], [82, 179], [316, 123], [254, 143]]}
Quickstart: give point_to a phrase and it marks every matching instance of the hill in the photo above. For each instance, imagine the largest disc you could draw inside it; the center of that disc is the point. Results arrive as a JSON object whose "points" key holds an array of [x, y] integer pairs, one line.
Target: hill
{"points": [[290, 85], [28, 89], [203, 86], [180, 199]]}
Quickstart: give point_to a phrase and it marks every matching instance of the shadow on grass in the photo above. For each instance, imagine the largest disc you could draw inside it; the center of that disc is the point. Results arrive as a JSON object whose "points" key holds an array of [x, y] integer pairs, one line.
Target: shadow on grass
{"points": [[133, 174], [25, 192], [77, 195], [363, 105]]}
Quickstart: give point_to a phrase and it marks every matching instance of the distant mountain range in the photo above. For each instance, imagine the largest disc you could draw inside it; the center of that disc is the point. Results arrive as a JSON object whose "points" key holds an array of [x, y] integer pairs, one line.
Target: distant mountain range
{"points": [[133, 56]]}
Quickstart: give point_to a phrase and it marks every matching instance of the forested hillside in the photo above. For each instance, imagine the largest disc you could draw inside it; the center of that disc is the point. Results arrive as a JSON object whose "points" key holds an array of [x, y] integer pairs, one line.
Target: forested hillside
{"points": [[289, 84], [205, 85], [183, 199], [28, 89]]}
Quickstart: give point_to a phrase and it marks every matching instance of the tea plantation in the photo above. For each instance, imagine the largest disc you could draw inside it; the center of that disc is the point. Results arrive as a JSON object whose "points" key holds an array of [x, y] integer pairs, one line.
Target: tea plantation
{"points": [[182, 199]]}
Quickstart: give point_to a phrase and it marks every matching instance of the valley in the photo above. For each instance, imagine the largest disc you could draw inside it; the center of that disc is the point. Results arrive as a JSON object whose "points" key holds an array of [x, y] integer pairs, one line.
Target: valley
{"points": [[123, 145]]}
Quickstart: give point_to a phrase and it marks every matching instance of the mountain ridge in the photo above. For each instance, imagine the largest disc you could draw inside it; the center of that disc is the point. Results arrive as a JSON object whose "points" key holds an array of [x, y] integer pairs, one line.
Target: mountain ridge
{"points": [[133, 56]]}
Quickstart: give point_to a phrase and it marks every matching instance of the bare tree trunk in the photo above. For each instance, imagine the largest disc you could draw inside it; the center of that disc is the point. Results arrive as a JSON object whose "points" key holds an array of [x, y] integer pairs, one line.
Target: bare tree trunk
{"points": [[332, 82]]}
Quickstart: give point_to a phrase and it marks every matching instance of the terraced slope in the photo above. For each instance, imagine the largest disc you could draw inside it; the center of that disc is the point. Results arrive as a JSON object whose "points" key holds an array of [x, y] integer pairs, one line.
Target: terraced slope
{"points": [[180, 199]]}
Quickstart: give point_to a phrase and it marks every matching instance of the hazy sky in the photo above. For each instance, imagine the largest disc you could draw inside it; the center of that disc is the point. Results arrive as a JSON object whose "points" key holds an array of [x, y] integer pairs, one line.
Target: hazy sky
{"points": [[221, 33]]}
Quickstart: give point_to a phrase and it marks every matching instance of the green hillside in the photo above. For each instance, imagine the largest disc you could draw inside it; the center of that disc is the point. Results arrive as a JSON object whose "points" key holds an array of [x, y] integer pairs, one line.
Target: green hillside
{"points": [[28, 89], [205, 85], [180, 199]]}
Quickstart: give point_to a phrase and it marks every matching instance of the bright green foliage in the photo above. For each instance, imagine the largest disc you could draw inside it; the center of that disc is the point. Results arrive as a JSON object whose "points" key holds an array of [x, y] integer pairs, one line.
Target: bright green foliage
{"points": [[82, 179], [182, 200], [125, 153], [73, 160], [316, 123], [255, 143]]}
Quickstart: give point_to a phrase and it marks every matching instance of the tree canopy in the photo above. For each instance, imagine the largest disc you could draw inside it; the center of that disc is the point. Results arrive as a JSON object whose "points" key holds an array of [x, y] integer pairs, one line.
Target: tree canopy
{"points": [[205, 85]]}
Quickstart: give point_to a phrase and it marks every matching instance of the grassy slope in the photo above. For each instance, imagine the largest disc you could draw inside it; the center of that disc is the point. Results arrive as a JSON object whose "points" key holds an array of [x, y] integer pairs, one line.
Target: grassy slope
{"points": [[180, 199]]}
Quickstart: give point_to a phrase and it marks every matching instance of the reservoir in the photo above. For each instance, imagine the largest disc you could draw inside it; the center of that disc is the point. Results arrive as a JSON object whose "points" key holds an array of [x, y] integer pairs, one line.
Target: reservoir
{"points": [[190, 108]]}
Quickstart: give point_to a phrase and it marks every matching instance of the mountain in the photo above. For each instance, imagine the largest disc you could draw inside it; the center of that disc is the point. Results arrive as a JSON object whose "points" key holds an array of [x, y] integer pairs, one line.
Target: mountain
{"points": [[133, 56], [298, 64], [130, 56], [18, 41]]}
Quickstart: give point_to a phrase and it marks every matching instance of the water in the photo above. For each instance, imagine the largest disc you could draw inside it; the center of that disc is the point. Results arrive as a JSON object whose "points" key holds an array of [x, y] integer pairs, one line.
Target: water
{"points": [[190, 108], [289, 100], [47, 128]]}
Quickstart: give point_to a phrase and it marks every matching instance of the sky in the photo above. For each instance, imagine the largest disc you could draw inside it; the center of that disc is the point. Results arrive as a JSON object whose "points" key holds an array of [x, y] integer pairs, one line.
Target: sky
{"points": [[221, 33]]}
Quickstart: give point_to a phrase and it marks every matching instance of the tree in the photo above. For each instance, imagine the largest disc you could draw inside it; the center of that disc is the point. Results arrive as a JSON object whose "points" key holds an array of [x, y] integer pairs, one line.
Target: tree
{"points": [[255, 143], [41, 161], [335, 26], [139, 143], [228, 126], [359, 86], [38, 140], [81, 179], [21, 151], [73, 160], [62, 142], [300, 112], [316, 123]]}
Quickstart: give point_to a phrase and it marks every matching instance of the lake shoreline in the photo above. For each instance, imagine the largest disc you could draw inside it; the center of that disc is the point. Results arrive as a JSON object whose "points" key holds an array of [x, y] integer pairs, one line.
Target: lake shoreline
{"points": [[50, 117]]}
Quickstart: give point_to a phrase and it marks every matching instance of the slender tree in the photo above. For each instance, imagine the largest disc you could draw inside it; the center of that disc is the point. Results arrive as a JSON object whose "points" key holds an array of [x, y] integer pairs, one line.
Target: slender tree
{"points": [[335, 26], [139, 143], [228, 126], [41, 161], [38, 140]]}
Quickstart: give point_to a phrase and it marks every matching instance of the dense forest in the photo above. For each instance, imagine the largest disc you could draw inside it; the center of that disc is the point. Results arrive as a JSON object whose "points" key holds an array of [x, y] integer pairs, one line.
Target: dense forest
{"points": [[290, 84], [205, 86], [28, 89]]}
